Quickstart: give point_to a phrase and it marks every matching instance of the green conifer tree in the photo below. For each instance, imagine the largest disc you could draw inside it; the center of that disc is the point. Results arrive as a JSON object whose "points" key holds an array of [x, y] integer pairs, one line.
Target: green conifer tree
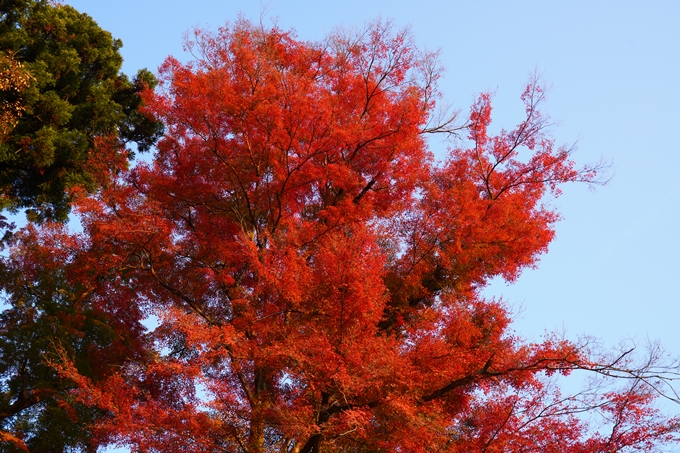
{"points": [[76, 95]]}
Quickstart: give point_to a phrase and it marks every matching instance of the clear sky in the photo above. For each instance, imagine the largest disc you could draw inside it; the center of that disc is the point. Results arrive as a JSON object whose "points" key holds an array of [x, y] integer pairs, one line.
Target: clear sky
{"points": [[613, 270]]}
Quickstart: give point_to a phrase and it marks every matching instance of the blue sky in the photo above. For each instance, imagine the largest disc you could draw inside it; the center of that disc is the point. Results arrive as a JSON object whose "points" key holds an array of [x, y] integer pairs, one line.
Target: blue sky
{"points": [[613, 269]]}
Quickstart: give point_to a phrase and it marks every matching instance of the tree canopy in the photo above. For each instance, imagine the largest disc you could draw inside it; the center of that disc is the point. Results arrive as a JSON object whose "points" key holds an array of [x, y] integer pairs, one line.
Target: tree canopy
{"points": [[315, 273], [71, 97]]}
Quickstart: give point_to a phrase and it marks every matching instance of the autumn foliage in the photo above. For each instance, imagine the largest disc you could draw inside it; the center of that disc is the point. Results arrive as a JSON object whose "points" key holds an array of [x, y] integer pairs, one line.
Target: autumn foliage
{"points": [[315, 272]]}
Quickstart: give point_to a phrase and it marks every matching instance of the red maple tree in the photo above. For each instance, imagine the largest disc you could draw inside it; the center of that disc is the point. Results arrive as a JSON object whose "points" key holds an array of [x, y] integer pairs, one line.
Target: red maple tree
{"points": [[316, 273]]}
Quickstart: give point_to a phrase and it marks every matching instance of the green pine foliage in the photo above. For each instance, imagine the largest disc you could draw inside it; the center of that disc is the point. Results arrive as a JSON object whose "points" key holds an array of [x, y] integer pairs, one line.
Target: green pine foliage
{"points": [[76, 94], [61, 93]]}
